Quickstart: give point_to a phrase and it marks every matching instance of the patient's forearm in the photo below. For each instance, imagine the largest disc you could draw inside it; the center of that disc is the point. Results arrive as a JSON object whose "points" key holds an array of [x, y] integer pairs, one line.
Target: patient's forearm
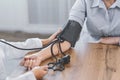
{"points": [[46, 53]]}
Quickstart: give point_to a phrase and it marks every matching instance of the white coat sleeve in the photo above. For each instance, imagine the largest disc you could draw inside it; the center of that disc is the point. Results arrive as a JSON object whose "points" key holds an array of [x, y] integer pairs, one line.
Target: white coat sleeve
{"points": [[17, 74], [26, 76], [29, 43], [11, 52], [13, 56]]}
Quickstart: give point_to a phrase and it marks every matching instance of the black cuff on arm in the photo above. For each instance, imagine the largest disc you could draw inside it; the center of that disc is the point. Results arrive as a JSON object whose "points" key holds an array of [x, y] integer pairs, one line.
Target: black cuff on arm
{"points": [[71, 32]]}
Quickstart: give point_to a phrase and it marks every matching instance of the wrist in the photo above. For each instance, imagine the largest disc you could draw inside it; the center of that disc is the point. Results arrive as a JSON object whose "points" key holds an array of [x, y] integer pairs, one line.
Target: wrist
{"points": [[40, 58]]}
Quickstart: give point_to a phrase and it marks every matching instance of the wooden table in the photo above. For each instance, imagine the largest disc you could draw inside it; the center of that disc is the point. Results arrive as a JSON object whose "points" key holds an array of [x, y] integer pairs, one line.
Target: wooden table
{"points": [[90, 62]]}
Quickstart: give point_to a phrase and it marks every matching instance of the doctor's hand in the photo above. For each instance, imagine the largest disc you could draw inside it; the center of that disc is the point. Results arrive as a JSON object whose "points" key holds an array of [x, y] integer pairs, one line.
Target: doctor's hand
{"points": [[40, 71], [31, 61], [51, 38], [110, 40]]}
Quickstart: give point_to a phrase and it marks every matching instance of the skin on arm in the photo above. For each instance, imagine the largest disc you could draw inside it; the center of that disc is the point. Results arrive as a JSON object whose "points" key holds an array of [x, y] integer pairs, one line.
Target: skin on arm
{"points": [[30, 61], [46, 53], [51, 38], [33, 60], [110, 40], [70, 34], [36, 59]]}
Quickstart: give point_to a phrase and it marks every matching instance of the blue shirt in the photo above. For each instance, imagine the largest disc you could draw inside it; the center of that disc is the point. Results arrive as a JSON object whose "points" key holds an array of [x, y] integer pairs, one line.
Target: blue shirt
{"points": [[99, 21]]}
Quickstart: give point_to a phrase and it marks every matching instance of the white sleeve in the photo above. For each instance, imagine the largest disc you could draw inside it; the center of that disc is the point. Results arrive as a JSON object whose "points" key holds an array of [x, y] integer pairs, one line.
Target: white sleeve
{"points": [[12, 53], [26, 76], [29, 43], [14, 56], [78, 12]]}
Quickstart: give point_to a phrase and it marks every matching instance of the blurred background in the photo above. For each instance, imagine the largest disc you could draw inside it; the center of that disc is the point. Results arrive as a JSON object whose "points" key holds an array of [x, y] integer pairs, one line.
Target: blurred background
{"points": [[22, 19]]}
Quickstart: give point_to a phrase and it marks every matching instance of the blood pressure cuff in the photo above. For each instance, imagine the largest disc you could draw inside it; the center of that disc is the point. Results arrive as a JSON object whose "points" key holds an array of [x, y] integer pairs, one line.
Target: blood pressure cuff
{"points": [[71, 32]]}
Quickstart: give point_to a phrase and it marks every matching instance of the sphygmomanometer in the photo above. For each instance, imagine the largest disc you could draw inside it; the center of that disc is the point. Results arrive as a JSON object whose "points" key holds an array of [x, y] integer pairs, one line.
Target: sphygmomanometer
{"points": [[70, 33]]}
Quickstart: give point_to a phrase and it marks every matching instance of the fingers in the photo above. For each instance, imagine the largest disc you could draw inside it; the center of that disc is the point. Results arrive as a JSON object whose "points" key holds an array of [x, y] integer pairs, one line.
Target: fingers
{"points": [[54, 35], [27, 62], [45, 68], [59, 30], [32, 65], [30, 62], [40, 71]]}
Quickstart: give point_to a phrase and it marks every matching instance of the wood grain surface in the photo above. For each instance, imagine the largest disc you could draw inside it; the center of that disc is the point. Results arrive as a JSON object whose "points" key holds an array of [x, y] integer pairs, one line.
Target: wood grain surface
{"points": [[90, 62]]}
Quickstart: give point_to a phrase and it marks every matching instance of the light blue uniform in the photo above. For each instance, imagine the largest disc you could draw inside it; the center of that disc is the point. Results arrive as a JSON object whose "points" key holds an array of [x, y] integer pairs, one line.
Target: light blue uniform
{"points": [[97, 19]]}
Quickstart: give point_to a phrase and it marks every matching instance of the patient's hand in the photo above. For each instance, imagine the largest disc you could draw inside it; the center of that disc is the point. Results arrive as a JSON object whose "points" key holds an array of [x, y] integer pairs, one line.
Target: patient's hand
{"points": [[39, 72], [31, 61], [110, 40]]}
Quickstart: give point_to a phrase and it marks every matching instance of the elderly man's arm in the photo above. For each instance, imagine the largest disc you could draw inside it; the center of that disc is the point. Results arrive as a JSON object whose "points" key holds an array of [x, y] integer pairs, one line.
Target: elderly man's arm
{"points": [[30, 61], [69, 36]]}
